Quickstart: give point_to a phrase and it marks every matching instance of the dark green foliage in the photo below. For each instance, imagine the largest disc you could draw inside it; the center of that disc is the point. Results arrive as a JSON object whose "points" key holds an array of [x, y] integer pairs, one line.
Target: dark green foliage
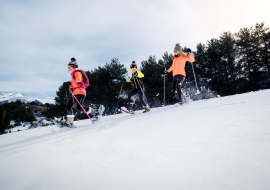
{"points": [[233, 63], [16, 110], [59, 108], [7, 121], [2, 118], [105, 83], [154, 79], [5, 118], [18, 121]]}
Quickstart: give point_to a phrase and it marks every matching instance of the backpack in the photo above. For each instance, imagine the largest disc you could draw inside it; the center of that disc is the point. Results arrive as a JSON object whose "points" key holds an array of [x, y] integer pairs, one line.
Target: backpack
{"points": [[85, 79]]}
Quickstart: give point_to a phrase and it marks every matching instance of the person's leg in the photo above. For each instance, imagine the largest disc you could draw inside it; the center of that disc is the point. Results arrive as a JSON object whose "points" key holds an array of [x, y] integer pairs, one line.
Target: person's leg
{"points": [[80, 98], [174, 84], [132, 93], [70, 115], [70, 103], [180, 79], [141, 98]]}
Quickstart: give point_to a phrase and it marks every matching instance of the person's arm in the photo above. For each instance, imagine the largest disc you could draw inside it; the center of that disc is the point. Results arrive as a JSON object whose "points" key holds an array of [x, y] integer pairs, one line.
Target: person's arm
{"points": [[170, 69], [140, 74], [191, 57]]}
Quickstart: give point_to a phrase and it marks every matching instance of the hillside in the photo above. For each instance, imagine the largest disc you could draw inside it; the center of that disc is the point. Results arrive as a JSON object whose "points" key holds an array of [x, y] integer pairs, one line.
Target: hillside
{"points": [[220, 143]]}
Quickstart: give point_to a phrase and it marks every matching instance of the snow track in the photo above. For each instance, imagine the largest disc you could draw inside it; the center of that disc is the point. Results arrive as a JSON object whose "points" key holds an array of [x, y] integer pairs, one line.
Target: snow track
{"points": [[221, 143]]}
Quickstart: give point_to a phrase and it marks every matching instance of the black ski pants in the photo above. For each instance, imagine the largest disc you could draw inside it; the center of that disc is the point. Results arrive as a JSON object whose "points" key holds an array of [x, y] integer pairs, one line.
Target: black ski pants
{"points": [[72, 101], [177, 83], [135, 91]]}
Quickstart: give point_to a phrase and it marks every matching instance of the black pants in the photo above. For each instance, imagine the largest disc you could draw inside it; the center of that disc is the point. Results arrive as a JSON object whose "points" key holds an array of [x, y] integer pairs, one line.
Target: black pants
{"points": [[177, 83], [135, 91], [72, 101]]}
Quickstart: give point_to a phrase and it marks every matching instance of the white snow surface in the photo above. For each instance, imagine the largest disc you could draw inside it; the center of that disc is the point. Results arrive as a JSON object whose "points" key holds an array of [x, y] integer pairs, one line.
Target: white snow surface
{"points": [[221, 143]]}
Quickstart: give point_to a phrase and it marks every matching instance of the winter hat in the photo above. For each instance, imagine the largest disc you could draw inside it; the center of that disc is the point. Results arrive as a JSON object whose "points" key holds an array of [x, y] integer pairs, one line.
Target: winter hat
{"points": [[133, 64], [73, 63], [177, 47]]}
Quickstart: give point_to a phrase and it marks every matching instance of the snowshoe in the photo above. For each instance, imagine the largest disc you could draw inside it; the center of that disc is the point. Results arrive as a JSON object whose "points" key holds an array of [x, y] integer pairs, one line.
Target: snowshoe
{"points": [[130, 107], [183, 97], [99, 113], [146, 109], [124, 109]]}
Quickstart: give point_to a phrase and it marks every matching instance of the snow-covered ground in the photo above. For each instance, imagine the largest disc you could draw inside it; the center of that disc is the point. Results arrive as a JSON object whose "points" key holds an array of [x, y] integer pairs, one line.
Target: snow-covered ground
{"points": [[221, 143]]}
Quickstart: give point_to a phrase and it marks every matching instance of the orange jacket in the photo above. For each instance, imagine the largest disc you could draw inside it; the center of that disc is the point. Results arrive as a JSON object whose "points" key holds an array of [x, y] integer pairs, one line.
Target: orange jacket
{"points": [[178, 66], [76, 82]]}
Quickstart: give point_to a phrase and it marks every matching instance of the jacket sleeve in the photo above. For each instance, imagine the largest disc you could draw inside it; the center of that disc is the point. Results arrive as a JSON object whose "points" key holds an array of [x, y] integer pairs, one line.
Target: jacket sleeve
{"points": [[128, 80], [170, 69], [140, 74], [191, 57]]}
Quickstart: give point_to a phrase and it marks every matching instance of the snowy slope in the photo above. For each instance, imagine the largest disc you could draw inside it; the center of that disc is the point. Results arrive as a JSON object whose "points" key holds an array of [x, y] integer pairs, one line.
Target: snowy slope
{"points": [[221, 143], [13, 97]]}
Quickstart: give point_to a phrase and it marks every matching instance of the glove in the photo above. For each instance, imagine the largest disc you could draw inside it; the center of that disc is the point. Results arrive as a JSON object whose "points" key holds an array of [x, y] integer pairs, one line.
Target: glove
{"points": [[135, 74], [124, 80], [165, 72], [188, 51], [66, 84]]}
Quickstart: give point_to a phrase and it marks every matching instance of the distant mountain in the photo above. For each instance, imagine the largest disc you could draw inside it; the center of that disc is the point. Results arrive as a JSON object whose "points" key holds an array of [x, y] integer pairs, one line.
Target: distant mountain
{"points": [[13, 97]]}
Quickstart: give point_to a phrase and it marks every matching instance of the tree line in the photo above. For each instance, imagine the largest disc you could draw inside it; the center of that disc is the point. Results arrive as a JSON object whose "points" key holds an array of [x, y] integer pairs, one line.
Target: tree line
{"points": [[14, 111], [231, 64]]}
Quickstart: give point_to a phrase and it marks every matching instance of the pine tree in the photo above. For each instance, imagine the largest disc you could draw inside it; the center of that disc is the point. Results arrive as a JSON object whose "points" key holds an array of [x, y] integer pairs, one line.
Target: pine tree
{"points": [[7, 119], [18, 121], [247, 57], [262, 35], [228, 52], [2, 118], [105, 85]]}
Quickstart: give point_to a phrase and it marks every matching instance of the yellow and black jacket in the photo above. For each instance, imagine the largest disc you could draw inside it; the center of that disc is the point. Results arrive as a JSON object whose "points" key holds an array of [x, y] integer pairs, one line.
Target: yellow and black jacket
{"points": [[136, 79]]}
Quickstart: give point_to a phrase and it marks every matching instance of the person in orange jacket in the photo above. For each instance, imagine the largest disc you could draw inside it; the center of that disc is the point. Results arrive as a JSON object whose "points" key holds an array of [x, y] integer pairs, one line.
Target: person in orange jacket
{"points": [[78, 84], [178, 68]]}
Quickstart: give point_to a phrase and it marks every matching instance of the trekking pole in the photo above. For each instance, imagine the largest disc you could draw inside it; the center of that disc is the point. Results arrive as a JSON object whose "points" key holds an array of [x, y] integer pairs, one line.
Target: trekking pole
{"points": [[142, 92], [81, 106], [119, 96], [198, 92], [164, 88]]}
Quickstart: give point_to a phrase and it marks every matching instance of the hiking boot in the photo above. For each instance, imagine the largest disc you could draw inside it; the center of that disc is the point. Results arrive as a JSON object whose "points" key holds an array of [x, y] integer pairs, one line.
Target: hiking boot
{"points": [[130, 107], [146, 109]]}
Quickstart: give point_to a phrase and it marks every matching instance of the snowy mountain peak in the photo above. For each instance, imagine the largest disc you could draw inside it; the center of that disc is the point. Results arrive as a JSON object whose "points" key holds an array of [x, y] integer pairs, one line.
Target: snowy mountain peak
{"points": [[13, 97]]}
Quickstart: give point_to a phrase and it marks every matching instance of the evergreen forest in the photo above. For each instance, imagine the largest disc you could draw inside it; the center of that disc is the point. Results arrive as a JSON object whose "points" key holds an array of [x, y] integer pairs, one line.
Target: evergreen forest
{"points": [[232, 64]]}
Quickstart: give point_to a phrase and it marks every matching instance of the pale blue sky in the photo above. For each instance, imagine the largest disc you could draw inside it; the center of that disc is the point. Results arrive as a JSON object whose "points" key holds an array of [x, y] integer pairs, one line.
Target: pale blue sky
{"points": [[38, 38]]}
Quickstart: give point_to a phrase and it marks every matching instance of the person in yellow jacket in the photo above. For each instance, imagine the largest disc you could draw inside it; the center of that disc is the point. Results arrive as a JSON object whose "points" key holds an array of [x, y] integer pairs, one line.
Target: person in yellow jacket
{"points": [[178, 68], [137, 83]]}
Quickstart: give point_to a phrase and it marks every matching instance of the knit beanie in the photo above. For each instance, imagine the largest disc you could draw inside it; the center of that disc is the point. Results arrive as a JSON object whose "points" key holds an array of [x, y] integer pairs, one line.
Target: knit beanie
{"points": [[177, 47], [133, 64], [73, 63]]}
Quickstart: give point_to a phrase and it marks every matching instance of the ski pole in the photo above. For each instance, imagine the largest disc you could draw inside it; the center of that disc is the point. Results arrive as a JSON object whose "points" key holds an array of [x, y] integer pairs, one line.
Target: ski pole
{"points": [[198, 92], [142, 92], [164, 88], [119, 96], [81, 105]]}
